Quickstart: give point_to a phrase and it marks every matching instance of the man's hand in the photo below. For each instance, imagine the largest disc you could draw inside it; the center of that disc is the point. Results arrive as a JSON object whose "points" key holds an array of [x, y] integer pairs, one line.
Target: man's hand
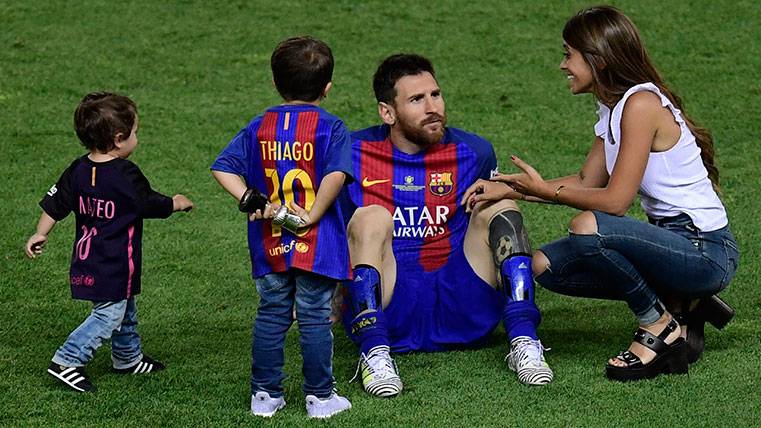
{"points": [[484, 190]]}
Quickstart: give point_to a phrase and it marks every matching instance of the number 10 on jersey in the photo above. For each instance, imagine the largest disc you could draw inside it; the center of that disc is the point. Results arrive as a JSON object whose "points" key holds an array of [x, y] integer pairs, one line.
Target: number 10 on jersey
{"points": [[288, 182]]}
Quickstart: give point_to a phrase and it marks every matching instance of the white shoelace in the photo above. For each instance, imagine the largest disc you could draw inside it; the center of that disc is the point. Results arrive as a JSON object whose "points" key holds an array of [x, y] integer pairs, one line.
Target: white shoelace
{"points": [[527, 349], [378, 362]]}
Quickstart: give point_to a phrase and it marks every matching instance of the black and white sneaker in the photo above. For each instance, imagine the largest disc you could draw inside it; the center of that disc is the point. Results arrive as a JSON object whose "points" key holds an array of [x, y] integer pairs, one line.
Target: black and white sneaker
{"points": [[74, 377], [146, 365]]}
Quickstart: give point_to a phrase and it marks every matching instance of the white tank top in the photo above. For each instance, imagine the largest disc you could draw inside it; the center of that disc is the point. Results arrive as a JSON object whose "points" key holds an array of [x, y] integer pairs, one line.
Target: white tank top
{"points": [[675, 181]]}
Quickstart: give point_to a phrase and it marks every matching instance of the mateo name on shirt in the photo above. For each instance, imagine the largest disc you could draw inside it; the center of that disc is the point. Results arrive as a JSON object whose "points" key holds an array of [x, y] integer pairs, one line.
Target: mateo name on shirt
{"points": [[98, 208], [286, 150]]}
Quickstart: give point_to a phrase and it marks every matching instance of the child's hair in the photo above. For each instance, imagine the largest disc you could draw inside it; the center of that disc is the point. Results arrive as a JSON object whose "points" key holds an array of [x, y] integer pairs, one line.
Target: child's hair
{"points": [[100, 116], [611, 45], [394, 68], [301, 68]]}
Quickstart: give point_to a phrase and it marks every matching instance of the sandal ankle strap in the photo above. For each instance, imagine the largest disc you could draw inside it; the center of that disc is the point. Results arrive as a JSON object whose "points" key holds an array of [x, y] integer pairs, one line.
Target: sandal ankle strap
{"points": [[656, 343], [682, 318]]}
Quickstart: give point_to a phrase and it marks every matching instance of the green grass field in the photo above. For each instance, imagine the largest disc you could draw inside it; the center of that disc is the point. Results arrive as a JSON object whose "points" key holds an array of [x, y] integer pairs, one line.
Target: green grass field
{"points": [[200, 70]]}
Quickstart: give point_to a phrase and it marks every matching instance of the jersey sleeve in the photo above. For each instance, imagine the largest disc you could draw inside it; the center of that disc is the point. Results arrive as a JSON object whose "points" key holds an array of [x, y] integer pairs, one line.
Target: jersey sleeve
{"points": [[234, 157], [346, 204], [58, 202], [488, 161], [338, 156], [150, 203]]}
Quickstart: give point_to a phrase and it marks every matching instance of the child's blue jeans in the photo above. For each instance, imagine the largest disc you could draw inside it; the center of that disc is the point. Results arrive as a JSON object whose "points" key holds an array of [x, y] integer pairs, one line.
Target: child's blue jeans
{"points": [[115, 320], [639, 262], [311, 294]]}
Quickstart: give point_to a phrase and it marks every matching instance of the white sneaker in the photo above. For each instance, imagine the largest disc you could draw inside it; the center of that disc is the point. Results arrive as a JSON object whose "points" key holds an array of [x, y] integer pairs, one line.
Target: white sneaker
{"points": [[326, 408], [526, 358], [264, 405], [380, 376]]}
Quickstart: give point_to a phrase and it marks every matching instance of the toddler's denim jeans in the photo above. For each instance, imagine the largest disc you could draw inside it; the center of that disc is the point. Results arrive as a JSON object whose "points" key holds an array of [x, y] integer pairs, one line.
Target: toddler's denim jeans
{"points": [[115, 320], [312, 295]]}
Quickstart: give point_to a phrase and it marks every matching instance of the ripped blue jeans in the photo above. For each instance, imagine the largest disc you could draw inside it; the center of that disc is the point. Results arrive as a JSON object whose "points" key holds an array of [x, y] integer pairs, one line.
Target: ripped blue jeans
{"points": [[637, 262]]}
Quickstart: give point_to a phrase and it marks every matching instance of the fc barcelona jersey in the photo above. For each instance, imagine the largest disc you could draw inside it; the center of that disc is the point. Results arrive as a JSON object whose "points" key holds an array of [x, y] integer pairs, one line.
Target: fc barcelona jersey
{"points": [[110, 200], [285, 153], [438, 302], [422, 191]]}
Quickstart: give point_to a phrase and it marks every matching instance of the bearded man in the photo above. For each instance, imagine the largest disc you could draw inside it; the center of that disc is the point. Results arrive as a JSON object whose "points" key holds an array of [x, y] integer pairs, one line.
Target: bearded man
{"points": [[431, 272]]}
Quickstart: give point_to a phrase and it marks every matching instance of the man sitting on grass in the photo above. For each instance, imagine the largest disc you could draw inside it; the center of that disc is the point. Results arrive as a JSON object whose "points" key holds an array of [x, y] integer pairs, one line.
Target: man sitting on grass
{"points": [[430, 273]]}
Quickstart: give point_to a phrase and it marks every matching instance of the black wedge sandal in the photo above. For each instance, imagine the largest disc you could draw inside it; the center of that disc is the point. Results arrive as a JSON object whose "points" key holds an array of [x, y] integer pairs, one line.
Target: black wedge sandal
{"points": [[710, 309], [714, 310], [669, 358], [695, 335]]}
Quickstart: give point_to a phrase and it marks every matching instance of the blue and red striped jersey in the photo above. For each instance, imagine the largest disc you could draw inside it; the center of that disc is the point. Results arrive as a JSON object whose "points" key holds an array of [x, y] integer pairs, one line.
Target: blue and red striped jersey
{"points": [[422, 191], [285, 153]]}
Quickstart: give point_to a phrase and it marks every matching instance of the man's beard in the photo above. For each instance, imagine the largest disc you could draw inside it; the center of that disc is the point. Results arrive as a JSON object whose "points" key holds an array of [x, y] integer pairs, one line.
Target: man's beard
{"points": [[419, 135]]}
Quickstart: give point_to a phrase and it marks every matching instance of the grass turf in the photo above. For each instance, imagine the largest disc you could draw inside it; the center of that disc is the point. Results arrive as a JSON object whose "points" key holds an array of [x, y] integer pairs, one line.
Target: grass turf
{"points": [[200, 70]]}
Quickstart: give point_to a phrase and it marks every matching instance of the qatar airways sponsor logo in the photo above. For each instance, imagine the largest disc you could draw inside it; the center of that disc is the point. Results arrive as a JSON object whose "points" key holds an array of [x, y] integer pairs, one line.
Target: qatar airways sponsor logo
{"points": [[420, 222]]}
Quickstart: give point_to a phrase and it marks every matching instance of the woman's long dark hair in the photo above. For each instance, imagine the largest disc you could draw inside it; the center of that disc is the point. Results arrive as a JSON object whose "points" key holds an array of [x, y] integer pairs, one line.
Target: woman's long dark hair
{"points": [[611, 45]]}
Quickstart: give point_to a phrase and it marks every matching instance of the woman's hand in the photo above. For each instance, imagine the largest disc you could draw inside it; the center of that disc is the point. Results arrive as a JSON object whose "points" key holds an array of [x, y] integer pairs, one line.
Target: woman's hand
{"points": [[529, 182], [484, 190]]}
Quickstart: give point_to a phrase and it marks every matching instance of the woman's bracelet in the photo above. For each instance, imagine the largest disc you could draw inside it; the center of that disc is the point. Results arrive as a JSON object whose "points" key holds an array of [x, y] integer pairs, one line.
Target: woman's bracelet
{"points": [[557, 193]]}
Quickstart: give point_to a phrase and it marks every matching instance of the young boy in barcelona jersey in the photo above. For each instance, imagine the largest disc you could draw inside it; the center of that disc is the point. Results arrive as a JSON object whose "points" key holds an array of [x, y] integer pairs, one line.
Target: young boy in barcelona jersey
{"points": [[110, 197], [299, 155], [430, 273]]}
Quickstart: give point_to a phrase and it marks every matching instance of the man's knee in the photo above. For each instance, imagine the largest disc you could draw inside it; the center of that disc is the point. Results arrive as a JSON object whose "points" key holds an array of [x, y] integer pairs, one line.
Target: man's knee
{"points": [[507, 236], [371, 223], [484, 212], [584, 224]]}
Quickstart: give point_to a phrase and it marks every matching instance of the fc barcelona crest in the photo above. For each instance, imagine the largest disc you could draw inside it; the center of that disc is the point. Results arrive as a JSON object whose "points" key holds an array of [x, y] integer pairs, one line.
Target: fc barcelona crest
{"points": [[441, 183]]}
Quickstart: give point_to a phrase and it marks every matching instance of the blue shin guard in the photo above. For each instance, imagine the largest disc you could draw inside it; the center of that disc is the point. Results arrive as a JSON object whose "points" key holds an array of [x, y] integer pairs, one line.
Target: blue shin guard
{"points": [[520, 315], [368, 323], [517, 278]]}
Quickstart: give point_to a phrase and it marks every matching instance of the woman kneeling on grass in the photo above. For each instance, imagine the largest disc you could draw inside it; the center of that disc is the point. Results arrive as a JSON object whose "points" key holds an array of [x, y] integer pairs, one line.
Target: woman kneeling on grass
{"points": [[644, 143]]}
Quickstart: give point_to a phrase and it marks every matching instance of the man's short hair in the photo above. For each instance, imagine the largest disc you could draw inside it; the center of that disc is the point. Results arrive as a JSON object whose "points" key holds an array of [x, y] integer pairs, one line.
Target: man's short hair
{"points": [[100, 116], [394, 68], [301, 68]]}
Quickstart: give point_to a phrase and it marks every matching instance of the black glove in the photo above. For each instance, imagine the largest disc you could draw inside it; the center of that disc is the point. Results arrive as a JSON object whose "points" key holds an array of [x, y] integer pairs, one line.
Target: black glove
{"points": [[252, 200]]}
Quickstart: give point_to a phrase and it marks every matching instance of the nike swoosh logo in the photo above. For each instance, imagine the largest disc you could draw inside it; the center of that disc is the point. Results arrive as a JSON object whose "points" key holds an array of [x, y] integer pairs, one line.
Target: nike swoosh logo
{"points": [[368, 183]]}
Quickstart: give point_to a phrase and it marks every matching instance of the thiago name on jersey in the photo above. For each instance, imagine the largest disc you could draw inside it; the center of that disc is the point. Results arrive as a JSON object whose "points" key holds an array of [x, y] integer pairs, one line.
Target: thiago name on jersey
{"points": [[286, 150], [419, 222]]}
